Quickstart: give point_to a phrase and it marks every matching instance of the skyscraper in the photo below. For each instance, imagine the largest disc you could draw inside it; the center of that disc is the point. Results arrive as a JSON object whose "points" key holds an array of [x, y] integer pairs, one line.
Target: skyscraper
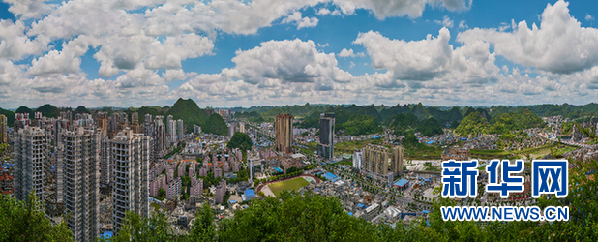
{"points": [[105, 160], [231, 129], [159, 137], [3, 128], [82, 183], [375, 159], [326, 142], [180, 131], [30, 159], [396, 160], [130, 175], [59, 166], [171, 128], [284, 133]]}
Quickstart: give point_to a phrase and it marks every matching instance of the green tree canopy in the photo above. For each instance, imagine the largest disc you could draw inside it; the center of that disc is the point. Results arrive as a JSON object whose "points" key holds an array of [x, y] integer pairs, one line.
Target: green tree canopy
{"points": [[241, 141], [22, 221]]}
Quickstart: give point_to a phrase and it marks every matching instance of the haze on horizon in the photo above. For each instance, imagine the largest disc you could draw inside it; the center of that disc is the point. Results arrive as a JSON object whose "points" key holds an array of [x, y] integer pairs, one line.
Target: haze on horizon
{"points": [[228, 53]]}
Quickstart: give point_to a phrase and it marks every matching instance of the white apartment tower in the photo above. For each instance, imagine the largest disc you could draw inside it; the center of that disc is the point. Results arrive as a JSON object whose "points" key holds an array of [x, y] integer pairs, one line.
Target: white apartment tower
{"points": [[130, 175], [30, 159], [171, 128], [82, 183], [180, 131]]}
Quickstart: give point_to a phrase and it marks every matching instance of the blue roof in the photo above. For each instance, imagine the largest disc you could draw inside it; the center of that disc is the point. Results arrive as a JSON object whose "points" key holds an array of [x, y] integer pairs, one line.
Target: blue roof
{"points": [[329, 176], [278, 169], [360, 205], [430, 142], [350, 214], [232, 201], [425, 211], [401, 182], [249, 192]]}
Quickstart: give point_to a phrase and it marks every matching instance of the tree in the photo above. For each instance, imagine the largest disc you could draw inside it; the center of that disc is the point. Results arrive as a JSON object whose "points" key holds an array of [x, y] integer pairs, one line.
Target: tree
{"points": [[241, 141], [161, 193], [204, 228], [138, 228], [24, 221]]}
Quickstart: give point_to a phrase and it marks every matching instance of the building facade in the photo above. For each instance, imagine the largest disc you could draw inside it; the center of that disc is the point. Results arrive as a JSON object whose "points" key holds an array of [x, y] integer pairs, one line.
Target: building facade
{"points": [[130, 175], [326, 141], [396, 160], [82, 183], [30, 159], [180, 131], [375, 159], [284, 133], [3, 129]]}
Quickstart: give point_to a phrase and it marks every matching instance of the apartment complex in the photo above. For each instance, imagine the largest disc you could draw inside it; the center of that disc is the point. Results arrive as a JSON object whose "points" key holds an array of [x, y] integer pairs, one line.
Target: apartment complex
{"points": [[130, 175], [375, 159], [396, 160], [82, 183], [326, 141], [284, 133], [30, 158]]}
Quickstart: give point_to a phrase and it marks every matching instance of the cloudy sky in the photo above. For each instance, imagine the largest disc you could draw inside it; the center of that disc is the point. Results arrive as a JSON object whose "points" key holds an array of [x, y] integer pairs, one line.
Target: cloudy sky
{"points": [[277, 52]]}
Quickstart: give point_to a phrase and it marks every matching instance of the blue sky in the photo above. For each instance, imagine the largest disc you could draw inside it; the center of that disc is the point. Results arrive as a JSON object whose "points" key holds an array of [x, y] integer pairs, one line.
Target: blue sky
{"points": [[267, 52]]}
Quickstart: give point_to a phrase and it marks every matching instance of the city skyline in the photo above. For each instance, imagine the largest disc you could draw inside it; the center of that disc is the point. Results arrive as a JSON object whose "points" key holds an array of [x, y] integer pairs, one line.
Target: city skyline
{"points": [[262, 53]]}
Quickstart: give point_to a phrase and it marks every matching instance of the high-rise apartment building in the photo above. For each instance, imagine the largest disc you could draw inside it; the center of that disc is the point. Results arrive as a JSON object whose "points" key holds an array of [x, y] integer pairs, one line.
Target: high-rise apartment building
{"points": [[242, 127], [375, 159], [396, 160], [171, 128], [135, 118], [130, 175], [105, 159], [180, 131], [231, 129], [284, 133], [221, 191], [3, 129], [30, 159], [159, 137], [326, 141], [59, 166], [82, 183], [357, 158]]}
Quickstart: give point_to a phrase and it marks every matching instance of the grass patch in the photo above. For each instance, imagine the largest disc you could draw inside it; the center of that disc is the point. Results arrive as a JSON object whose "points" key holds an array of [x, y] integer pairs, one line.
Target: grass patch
{"points": [[344, 163], [350, 146], [423, 152], [156, 206], [293, 184]]}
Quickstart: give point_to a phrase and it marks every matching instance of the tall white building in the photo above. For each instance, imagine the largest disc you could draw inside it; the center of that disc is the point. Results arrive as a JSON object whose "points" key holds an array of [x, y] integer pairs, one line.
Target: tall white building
{"points": [[130, 175], [82, 183], [357, 158], [171, 128], [30, 159], [180, 131]]}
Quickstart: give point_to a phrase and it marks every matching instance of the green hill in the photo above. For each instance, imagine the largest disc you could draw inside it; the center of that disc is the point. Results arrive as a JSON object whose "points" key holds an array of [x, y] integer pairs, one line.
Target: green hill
{"points": [[81, 109], [215, 125], [189, 112], [49, 111], [10, 116], [505, 122], [25, 109], [473, 124]]}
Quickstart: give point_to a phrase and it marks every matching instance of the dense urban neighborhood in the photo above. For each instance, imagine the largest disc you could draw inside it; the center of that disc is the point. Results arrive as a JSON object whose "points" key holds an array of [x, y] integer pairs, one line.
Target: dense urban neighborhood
{"points": [[89, 168]]}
